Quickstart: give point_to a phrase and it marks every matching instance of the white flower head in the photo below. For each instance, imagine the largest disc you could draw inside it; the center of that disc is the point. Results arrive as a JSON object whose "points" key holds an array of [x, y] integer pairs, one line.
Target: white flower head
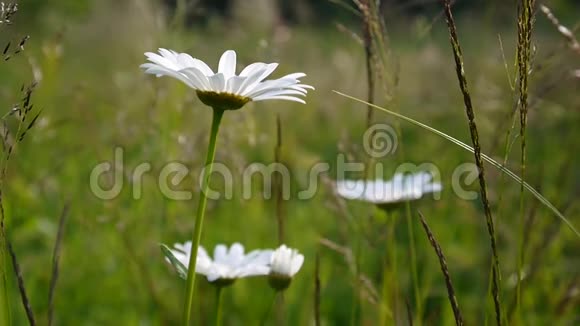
{"points": [[227, 265], [284, 264], [224, 89], [399, 189]]}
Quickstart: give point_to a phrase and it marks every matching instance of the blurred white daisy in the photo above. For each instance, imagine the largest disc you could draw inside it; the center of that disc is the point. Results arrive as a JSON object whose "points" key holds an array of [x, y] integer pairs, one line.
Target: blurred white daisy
{"points": [[284, 264], [399, 189], [224, 89], [227, 265]]}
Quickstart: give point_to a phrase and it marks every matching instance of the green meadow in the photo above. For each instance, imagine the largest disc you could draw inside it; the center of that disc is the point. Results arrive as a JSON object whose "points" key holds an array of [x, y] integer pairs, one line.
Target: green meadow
{"points": [[364, 264]]}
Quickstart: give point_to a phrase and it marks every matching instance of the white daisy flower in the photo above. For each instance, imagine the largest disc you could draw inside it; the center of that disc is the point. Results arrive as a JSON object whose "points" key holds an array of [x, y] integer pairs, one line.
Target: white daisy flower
{"points": [[227, 265], [284, 264], [399, 189], [224, 89]]}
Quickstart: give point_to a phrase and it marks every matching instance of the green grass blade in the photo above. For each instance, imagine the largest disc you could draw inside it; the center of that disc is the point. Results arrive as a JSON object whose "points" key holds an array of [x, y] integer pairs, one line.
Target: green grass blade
{"points": [[488, 159], [179, 267], [5, 318]]}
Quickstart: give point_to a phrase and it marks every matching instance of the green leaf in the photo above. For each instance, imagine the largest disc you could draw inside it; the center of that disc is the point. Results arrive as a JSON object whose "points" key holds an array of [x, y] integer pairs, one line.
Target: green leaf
{"points": [[179, 268]]}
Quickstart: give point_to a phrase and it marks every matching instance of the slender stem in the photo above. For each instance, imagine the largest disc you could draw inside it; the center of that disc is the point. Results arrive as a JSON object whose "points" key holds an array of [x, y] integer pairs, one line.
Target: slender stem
{"points": [[523, 54], [218, 305], [21, 287], [357, 286], [317, 291], [414, 274], [6, 316], [445, 271], [395, 277], [217, 117], [278, 185], [55, 262], [267, 312], [462, 79]]}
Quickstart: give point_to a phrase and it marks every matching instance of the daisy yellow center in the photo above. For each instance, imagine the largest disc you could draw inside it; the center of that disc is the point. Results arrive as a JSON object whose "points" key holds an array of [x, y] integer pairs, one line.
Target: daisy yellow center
{"points": [[222, 100]]}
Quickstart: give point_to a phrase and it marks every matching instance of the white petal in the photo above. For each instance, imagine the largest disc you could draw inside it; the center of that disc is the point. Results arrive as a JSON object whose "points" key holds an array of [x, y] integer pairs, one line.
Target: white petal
{"points": [[254, 270], [227, 64], [295, 75], [220, 254], [297, 264], [212, 277], [252, 68], [203, 67], [259, 75], [236, 254], [186, 61], [183, 247], [196, 75], [217, 82], [162, 61], [268, 85], [250, 82], [161, 71], [261, 257], [287, 98], [233, 84], [271, 93]]}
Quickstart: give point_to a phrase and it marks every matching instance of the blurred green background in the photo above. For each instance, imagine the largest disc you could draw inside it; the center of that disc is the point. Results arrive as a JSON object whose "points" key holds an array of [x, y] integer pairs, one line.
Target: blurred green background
{"points": [[85, 56]]}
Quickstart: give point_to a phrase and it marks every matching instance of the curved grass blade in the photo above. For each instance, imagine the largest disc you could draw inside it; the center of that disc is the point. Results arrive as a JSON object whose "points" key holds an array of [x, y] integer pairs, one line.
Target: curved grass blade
{"points": [[179, 267], [485, 157]]}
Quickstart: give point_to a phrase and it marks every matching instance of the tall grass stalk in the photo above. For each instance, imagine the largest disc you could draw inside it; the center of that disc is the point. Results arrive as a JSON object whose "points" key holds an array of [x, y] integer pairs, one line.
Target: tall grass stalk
{"points": [[22, 112], [317, 290], [364, 7], [460, 69], [21, 287], [525, 21], [485, 157], [6, 317], [376, 57], [55, 262], [216, 120], [439, 252]]}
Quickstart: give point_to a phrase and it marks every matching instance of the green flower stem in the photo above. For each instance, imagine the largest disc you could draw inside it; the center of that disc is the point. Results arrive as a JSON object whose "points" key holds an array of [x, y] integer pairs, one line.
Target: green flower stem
{"points": [[218, 305], [267, 312], [217, 117]]}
